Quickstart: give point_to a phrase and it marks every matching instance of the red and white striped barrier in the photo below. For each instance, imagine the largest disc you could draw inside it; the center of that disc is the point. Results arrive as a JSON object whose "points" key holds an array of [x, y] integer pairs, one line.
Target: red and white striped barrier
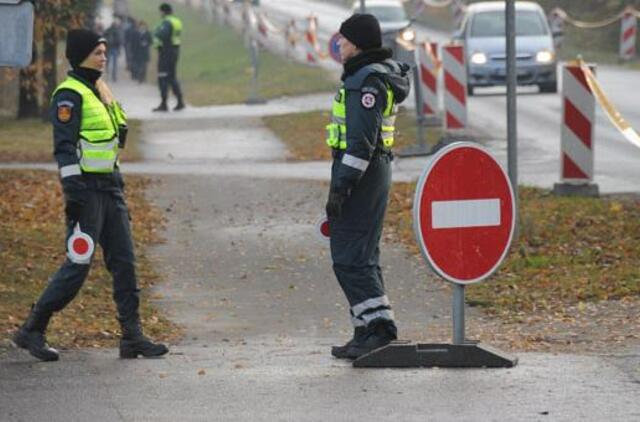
{"points": [[312, 47], [455, 87], [427, 58], [628, 31], [578, 110]]}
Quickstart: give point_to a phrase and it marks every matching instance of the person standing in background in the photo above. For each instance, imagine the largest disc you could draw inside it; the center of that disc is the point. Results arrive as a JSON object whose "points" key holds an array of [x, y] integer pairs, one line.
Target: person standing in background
{"points": [[142, 47], [130, 38], [113, 35], [168, 37]]}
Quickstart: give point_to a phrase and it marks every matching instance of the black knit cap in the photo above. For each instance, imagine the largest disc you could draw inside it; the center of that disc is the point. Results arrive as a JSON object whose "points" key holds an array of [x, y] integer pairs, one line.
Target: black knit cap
{"points": [[166, 8], [80, 43], [362, 30]]}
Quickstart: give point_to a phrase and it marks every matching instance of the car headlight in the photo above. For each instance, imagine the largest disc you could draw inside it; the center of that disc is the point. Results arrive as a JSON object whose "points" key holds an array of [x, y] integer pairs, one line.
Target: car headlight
{"points": [[479, 58], [544, 56], [408, 35]]}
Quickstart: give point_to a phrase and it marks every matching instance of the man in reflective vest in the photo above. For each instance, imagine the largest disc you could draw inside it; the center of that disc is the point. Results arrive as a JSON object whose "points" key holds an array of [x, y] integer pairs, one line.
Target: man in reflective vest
{"points": [[89, 128], [167, 38], [361, 136]]}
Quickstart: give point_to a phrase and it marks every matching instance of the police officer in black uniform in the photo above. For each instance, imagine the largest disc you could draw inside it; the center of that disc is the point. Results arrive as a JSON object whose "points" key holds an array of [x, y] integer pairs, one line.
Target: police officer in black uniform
{"points": [[89, 128], [167, 38], [361, 135]]}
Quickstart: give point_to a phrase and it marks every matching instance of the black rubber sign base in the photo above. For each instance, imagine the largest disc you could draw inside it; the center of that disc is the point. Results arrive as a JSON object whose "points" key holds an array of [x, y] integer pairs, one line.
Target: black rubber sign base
{"points": [[405, 354]]}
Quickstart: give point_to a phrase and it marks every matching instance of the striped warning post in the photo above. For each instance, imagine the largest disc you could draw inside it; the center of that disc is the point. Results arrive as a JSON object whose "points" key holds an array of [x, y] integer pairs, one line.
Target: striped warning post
{"points": [[455, 87], [628, 33], [311, 40], [578, 110], [426, 56]]}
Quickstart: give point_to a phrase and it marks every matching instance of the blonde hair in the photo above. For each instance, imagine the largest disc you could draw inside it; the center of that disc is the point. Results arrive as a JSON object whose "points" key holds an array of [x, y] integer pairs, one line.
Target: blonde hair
{"points": [[105, 93]]}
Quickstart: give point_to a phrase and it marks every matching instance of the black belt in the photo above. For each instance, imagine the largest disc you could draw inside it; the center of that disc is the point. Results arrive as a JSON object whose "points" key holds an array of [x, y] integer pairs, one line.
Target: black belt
{"points": [[378, 152]]}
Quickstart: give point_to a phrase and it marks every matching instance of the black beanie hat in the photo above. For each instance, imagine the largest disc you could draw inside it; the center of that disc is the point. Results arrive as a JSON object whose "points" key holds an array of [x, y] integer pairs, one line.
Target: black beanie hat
{"points": [[80, 43], [166, 8], [363, 30]]}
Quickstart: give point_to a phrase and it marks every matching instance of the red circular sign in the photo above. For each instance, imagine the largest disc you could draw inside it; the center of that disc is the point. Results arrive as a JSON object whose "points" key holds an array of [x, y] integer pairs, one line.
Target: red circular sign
{"points": [[80, 246], [464, 213]]}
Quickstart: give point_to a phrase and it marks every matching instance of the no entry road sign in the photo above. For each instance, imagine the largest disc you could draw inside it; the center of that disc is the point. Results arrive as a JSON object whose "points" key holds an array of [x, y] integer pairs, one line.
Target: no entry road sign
{"points": [[334, 48], [464, 213]]}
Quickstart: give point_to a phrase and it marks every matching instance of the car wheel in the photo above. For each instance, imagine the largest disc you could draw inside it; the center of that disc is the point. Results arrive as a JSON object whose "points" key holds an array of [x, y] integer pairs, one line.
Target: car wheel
{"points": [[551, 87], [470, 90]]}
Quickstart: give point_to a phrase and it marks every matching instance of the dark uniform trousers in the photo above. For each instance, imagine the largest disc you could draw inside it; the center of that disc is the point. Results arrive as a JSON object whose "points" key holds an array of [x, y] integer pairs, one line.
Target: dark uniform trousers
{"points": [[355, 237], [105, 218], [167, 71]]}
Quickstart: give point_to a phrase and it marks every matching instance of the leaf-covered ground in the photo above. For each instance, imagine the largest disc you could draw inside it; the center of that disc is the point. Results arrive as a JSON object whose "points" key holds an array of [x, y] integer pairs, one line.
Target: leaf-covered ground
{"points": [[32, 248], [572, 281], [31, 141]]}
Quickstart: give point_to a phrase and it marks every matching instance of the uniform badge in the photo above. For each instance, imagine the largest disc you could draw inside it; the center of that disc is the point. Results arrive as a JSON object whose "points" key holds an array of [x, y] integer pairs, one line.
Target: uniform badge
{"points": [[64, 111], [368, 100]]}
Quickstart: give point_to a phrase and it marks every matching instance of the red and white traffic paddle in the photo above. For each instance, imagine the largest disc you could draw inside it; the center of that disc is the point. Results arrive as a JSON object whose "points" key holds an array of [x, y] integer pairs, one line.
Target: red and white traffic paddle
{"points": [[80, 246], [322, 228]]}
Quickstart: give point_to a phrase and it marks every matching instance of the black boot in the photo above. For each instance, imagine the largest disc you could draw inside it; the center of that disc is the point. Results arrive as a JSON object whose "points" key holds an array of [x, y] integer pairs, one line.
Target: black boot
{"points": [[31, 336], [179, 106], [161, 107], [133, 343], [379, 334], [340, 352]]}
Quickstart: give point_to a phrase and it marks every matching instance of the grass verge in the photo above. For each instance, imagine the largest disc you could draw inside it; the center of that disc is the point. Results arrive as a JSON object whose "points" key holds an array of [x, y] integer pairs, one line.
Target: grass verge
{"points": [[215, 66], [31, 249], [304, 133], [30, 140], [571, 251]]}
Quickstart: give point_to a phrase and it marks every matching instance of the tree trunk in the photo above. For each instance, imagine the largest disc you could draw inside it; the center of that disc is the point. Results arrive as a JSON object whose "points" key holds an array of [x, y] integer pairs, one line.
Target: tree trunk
{"points": [[49, 68], [28, 99]]}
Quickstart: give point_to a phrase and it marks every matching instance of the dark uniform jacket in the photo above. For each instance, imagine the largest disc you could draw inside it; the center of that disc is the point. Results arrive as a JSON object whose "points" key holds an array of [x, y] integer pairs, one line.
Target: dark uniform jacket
{"points": [[366, 100]]}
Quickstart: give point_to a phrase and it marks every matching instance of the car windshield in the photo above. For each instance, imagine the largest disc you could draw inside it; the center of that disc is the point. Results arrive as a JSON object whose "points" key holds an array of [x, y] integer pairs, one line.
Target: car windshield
{"points": [[387, 13], [492, 24]]}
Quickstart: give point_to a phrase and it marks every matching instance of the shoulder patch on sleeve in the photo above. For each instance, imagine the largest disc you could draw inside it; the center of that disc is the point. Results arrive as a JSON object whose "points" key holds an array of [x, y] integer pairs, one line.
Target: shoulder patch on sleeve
{"points": [[368, 100], [63, 112]]}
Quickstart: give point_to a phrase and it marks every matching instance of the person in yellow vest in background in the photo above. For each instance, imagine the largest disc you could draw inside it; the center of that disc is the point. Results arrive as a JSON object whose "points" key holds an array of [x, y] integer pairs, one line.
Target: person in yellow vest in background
{"points": [[89, 129], [167, 38]]}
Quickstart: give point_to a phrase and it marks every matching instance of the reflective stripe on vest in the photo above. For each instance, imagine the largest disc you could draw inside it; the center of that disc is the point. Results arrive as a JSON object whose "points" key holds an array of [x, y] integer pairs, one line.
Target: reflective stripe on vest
{"points": [[98, 143], [337, 128]]}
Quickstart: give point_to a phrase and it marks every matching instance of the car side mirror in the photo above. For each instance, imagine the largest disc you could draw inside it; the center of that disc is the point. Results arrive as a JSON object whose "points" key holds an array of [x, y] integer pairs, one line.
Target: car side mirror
{"points": [[16, 21]]}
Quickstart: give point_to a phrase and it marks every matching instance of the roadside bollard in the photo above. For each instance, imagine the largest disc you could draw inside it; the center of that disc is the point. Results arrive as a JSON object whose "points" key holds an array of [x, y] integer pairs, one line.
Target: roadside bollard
{"points": [[455, 89], [577, 136], [628, 30]]}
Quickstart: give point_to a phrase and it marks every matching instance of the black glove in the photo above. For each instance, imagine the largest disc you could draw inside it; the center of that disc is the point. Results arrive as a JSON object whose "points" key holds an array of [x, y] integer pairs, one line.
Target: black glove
{"points": [[73, 209], [335, 203], [75, 195], [123, 130]]}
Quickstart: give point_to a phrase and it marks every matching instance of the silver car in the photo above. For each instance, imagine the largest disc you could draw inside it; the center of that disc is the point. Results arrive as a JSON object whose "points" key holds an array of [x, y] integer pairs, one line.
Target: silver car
{"points": [[483, 33]]}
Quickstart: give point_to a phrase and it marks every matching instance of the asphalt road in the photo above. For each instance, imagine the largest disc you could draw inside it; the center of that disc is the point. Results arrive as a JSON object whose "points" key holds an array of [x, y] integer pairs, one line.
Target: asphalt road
{"points": [[539, 115]]}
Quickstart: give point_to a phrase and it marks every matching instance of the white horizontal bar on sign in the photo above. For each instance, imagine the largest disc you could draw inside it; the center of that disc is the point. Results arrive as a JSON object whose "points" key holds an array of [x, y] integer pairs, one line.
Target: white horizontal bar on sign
{"points": [[465, 213]]}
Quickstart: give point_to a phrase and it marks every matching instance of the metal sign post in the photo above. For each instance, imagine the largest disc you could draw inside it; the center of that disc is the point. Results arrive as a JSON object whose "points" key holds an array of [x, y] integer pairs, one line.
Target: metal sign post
{"points": [[254, 96], [464, 219], [512, 127], [363, 6], [16, 33]]}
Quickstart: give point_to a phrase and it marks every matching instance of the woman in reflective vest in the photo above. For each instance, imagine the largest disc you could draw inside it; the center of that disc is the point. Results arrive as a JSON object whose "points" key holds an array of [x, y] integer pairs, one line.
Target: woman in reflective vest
{"points": [[89, 129]]}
